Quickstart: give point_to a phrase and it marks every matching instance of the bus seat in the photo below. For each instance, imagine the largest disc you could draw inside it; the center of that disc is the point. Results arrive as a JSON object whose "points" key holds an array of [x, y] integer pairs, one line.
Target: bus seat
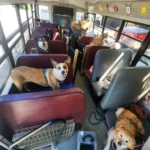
{"points": [[83, 41], [104, 61], [43, 61], [123, 91], [88, 60], [31, 109], [55, 46]]}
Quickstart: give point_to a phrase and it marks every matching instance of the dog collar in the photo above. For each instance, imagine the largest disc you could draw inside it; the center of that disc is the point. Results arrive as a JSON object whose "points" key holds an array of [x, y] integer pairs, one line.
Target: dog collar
{"points": [[45, 70]]}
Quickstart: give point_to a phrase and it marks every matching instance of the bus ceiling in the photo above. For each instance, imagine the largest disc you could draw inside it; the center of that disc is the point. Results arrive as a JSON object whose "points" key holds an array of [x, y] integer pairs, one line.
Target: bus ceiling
{"points": [[130, 10]]}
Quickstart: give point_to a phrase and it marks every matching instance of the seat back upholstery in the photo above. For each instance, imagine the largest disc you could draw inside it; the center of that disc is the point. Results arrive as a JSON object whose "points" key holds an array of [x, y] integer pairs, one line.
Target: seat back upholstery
{"points": [[83, 41], [30, 109], [57, 47], [90, 55], [104, 58], [125, 87], [43, 61]]}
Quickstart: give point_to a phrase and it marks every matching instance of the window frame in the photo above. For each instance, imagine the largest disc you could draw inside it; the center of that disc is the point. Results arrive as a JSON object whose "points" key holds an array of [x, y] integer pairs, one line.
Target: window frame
{"points": [[4, 41]]}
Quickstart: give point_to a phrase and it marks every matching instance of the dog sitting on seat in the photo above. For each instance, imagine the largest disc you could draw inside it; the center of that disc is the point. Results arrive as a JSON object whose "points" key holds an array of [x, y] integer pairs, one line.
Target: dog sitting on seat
{"points": [[49, 33], [52, 77], [127, 127], [42, 45]]}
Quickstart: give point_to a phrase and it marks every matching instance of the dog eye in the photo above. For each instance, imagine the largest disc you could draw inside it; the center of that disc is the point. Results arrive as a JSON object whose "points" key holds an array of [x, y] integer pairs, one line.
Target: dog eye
{"points": [[126, 141], [64, 67], [58, 68], [121, 135]]}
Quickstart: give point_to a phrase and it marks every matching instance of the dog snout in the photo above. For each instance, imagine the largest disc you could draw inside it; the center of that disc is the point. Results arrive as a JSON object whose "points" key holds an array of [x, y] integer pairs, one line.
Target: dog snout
{"points": [[63, 72], [119, 143], [43, 44]]}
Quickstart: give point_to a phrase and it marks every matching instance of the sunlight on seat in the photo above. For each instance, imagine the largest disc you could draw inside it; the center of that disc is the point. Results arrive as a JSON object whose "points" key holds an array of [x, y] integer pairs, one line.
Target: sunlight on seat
{"points": [[112, 66]]}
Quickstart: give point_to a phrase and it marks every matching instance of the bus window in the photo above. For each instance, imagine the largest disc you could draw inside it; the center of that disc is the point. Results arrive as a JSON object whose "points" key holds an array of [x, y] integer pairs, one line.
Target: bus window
{"points": [[14, 39], [133, 35], [98, 24], [29, 11], [1, 51], [79, 15], [112, 27], [26, 35], [18, 49], [8, 16], [23, 15], [43, 12], [4, 72]]}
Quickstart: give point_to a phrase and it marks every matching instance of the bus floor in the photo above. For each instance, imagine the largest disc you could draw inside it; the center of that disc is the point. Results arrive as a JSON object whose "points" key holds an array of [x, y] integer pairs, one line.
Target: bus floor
{"points": [[100, 129]]}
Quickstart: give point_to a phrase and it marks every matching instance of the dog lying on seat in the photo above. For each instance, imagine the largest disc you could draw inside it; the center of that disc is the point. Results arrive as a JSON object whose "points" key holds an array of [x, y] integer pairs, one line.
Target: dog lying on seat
{"points": [[42, 45], [45, 77], [127, 127]]}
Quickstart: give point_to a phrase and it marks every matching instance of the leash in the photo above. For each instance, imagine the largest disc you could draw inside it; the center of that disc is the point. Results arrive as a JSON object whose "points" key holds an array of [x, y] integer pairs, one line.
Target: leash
{"points": [[138, 110], [96, 114]]}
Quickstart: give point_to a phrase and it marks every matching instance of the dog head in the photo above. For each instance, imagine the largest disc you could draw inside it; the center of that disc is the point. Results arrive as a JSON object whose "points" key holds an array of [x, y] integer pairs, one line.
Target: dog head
{"points": [[49, 33], [124, 139], [42, 42], [115, 45], [60, 70]]}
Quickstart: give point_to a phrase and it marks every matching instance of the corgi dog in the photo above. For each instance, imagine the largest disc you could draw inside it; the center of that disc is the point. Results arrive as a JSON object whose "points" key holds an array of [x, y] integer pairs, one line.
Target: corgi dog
{"points": [[127, 127], [45, 77]]}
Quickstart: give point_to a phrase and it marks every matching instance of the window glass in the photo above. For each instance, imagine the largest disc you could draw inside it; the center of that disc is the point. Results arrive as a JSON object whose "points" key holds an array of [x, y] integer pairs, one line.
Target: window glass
{"points": [[113, 23], [4, 72], [43, 12], [33, 8], [30, 21], [130, 42], [23, 15], [14, 39], [29, 11], [8, 19], [145, 60], [140, 63], [147, 53], [31, 27], [18, 49], [99, 20], [111, 33], [26, 35], [1, 51], [136, 31], [79, 15]]}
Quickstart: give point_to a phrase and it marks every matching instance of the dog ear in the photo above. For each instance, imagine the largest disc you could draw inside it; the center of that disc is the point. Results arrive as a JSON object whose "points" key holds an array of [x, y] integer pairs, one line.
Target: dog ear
{"points": [[54, 63], [68, 61], [46, 38]]}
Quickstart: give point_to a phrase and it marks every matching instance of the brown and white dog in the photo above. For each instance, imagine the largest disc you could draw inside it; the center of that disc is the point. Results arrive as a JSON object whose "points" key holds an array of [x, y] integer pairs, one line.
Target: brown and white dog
{"points": [[44, 77], [126, 128], [100, 40]]}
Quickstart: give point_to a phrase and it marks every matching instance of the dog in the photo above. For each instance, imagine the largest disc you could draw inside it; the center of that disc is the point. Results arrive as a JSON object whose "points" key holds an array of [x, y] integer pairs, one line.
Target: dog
{"points": [[42, 45], [100, 40], [45, 77], [126, 128], [115, 45], [49, 33]]}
